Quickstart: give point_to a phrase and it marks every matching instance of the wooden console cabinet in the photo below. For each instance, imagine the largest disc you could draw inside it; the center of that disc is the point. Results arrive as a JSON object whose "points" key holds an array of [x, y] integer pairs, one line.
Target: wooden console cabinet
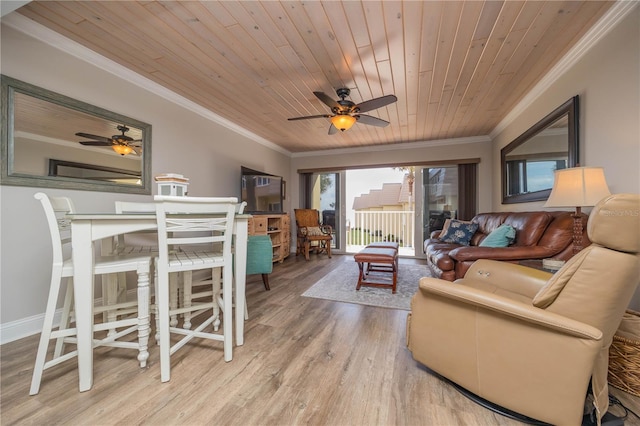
{"points": [[276, 226]]}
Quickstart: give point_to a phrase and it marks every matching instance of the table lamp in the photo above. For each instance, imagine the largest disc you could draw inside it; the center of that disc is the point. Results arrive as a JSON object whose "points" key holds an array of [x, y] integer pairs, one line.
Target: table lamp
{"points": [[578, 187]]}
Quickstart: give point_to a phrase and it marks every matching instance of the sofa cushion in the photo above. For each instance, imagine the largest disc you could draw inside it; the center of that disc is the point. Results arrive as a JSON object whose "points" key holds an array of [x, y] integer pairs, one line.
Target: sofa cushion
{"points": [[559, 233], [502, 236], [459, 232], [529, 226], [447, 222], [445, 227]]}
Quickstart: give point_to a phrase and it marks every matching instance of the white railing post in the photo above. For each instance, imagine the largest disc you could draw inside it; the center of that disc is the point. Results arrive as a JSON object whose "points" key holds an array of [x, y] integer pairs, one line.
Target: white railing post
{"points": [[372, 226]]}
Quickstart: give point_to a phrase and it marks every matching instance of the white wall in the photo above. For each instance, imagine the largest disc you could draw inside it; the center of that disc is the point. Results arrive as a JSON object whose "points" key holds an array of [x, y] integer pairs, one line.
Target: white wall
{"points": [[607, 79], [183, 142]]}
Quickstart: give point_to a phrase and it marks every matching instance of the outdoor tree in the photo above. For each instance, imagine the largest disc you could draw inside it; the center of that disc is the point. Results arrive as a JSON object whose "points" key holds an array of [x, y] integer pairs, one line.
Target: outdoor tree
{"points": [[411, 175], [326, 182]]}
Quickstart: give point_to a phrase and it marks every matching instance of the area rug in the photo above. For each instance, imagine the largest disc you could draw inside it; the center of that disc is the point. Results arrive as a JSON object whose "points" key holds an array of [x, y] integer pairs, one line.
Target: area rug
{"points": [[340, 285]]}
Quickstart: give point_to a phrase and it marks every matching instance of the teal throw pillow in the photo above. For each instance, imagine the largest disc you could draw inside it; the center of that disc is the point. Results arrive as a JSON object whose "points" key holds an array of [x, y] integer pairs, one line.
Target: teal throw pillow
{"points": [[459, 232], [502, 236]]}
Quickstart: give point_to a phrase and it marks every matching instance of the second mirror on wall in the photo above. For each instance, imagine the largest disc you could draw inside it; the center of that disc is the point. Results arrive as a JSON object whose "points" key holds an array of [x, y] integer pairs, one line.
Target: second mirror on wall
{"points": [[528, 163]]}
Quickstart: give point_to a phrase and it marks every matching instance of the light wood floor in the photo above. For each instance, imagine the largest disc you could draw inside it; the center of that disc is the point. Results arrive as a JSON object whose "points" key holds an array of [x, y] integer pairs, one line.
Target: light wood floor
{"points": [[304, 361]]}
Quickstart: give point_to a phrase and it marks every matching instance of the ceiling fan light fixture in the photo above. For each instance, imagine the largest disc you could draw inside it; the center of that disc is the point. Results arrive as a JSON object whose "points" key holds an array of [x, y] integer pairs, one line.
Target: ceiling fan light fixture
{"points": [[343, 122], [122, 149]]}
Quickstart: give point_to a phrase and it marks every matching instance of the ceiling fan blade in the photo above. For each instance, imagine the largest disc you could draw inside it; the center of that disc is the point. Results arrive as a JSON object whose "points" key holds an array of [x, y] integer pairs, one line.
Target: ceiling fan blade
{"points": [[375, 103], [137, 150], [90, 136], [371, 121], [309, 116], [96, 143], [333, 129], [327, 100], [122, 139]]}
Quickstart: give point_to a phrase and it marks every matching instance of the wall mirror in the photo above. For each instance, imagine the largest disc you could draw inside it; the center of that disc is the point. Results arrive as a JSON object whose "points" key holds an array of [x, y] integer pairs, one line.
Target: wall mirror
{"points": [[53, 141], [529, 161]]}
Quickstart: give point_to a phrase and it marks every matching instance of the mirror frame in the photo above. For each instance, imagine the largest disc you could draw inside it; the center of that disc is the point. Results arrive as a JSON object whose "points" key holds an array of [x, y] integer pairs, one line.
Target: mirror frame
{"points": [[10, 86], [569, 108]]}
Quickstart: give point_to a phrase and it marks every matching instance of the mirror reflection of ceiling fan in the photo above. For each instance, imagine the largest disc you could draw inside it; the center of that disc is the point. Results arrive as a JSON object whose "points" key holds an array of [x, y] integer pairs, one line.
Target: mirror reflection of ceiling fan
{"points": [[346, 113], [122, 144]]}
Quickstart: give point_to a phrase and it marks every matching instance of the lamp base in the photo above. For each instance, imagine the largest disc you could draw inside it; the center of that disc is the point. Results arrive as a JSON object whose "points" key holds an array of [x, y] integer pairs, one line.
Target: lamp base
{"points": [[577, 231]]}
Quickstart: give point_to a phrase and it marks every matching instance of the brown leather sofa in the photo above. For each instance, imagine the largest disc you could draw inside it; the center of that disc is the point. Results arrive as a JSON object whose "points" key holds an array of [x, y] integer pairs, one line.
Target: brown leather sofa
{"points": [[527, 340], [539, 235]]}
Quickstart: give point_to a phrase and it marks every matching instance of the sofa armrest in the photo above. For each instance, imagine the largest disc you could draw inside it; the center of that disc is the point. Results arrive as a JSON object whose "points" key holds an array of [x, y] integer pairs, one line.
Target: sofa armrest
{"points": [[435, 234], [505, 306], [471, 253]]}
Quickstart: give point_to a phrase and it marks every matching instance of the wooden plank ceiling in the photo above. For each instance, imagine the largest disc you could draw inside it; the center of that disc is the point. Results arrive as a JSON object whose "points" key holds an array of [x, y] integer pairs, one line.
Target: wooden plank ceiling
{"points": [[457, 67]]}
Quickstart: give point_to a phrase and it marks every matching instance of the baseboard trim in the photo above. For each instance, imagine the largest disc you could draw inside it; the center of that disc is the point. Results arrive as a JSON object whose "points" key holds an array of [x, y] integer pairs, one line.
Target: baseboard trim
{"points": [[25, 327]]}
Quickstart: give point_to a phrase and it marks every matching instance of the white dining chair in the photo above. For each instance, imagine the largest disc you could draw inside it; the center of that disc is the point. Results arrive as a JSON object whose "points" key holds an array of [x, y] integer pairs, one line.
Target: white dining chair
{"points": [[203, 287], [202, 229], [125, 246], [114, 288], [55, 209], [122, 245], [184, 289]]}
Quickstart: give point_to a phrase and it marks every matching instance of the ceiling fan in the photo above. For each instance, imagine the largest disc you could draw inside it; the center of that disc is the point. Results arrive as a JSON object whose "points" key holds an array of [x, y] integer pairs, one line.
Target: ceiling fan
{"points": [[346, 113], [122, 144]]}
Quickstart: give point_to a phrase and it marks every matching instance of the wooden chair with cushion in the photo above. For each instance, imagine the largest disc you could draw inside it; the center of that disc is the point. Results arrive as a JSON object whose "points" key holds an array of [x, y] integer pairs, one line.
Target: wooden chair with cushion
{"points": [[311, 234]]}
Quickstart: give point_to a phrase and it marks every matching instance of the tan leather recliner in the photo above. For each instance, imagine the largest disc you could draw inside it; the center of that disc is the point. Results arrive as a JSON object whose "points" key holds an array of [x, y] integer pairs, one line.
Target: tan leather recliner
{"points": [[527, 340]]}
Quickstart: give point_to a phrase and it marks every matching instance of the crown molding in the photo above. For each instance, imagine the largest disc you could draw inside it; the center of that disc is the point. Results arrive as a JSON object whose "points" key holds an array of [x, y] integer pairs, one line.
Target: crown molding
{"points": [[394, 146], [64, 44], [596, 33]]}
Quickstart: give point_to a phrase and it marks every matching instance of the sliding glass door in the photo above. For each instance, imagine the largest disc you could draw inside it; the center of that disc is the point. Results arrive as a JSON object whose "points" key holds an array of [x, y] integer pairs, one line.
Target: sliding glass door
{"points": [[322, 193], [403, 204], [440, 197], [448, 192]]}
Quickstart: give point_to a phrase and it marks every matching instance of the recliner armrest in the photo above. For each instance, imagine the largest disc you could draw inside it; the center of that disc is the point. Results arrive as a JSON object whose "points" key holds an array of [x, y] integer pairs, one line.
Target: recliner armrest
{"points": [[510, 277], [508, 307]]}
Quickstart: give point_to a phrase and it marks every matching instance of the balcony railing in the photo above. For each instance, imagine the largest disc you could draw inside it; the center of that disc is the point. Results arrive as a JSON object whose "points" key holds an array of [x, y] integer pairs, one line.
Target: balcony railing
{"points": [[373, 226]]}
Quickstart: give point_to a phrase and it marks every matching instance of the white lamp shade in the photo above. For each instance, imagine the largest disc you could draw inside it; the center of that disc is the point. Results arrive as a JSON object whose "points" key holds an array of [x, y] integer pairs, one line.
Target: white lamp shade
{"points": [[578, 187]]}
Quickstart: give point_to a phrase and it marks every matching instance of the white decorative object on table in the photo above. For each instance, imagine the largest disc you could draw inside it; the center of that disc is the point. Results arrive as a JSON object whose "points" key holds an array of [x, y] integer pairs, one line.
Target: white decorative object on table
{"points": [[172, 184]]}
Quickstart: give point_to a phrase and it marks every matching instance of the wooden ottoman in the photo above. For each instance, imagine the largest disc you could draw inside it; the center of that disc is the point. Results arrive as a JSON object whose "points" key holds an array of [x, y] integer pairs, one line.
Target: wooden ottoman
{"points": [[378, 259], [382, 268], [384, 244]]}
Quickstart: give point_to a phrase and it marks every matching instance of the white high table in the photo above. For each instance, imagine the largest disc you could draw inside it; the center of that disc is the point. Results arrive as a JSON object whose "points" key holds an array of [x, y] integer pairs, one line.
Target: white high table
{"points": [[86, 229]]}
